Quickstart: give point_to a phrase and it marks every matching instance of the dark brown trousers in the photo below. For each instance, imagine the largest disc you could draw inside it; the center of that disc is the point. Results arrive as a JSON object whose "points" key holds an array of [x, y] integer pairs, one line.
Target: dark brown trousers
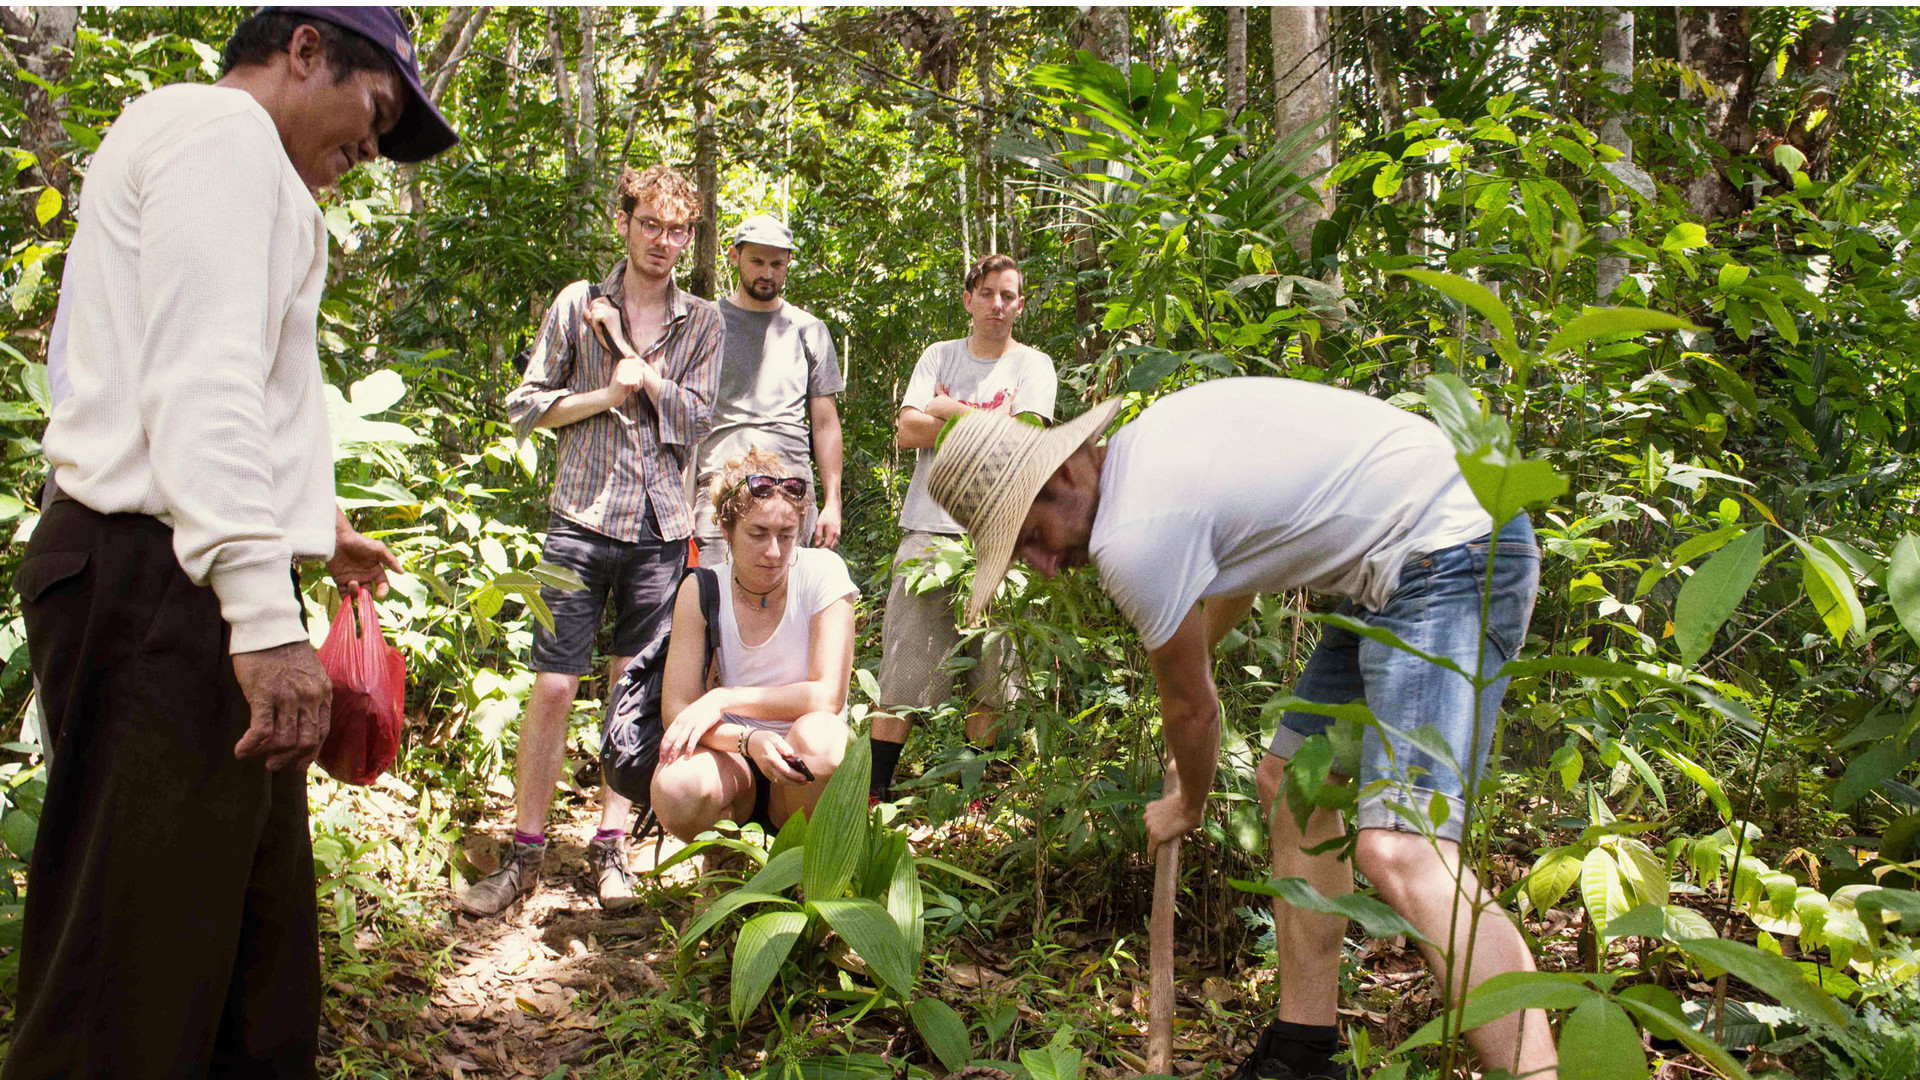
{"points": [[170, 928]]}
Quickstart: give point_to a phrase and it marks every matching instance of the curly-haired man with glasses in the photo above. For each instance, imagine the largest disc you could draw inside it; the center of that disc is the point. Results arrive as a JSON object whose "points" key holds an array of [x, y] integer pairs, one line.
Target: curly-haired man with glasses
{"points": [[626, 371]]}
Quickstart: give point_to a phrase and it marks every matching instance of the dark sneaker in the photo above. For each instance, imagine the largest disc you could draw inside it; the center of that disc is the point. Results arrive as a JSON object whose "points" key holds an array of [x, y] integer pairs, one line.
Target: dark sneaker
{"points": [[517, 877], [607, 859]]}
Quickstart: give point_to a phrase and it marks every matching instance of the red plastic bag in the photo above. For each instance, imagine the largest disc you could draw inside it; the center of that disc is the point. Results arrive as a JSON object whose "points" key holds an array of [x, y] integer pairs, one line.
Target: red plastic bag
{"points": [[369, 689]]}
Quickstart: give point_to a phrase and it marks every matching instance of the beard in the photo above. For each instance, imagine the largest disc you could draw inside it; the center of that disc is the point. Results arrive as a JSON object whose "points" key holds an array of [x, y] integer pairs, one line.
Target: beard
{"points": [[764, 289]]}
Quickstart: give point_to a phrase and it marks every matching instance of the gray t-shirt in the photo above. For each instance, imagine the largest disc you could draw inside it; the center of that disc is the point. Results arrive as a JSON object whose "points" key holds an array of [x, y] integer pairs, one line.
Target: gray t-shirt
{"points": [[1022, 374], [771, 363], [1249, 485]]}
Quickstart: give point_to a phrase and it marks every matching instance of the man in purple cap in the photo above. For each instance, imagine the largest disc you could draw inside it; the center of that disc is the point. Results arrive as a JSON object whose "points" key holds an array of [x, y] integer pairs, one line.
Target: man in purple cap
{"points": [[170, 927]]}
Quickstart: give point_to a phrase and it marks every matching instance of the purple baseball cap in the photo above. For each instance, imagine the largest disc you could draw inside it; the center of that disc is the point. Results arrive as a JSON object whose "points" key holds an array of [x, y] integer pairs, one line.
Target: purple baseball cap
{"points": [[421, 132]]}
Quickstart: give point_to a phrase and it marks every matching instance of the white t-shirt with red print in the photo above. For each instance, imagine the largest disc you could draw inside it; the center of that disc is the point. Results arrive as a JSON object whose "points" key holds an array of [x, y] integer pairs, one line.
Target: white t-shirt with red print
{"points": [[1022, 375]]}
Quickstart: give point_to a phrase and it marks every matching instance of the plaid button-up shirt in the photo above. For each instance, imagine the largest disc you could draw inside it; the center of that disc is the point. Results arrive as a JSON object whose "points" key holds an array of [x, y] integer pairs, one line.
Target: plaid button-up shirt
{"points": [[613, 463]]}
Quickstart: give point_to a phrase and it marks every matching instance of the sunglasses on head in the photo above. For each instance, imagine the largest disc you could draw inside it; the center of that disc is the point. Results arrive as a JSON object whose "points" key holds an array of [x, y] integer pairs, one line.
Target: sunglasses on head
{"points": [[761, 486]]}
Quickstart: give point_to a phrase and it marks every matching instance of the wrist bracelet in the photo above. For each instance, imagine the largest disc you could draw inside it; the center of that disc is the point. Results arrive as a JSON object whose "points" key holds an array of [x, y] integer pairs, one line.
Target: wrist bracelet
{"points": [[746, 741]]}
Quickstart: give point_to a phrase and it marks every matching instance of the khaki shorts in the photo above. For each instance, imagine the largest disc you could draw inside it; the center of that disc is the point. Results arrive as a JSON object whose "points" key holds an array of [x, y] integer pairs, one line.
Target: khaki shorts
{"points": [[918, 635]]}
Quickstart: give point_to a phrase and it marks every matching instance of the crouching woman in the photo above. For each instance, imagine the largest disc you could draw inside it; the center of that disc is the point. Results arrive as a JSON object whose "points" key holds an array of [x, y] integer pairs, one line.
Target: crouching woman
{"points": [[755, 738]]}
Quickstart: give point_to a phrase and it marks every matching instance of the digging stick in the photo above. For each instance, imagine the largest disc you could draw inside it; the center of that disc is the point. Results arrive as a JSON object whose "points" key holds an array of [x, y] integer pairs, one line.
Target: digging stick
{"points": [[1166, 879]]}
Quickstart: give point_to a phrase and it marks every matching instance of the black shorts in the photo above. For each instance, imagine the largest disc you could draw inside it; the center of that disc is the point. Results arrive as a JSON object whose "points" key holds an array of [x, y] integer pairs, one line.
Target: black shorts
{"points": [[639, 576]]}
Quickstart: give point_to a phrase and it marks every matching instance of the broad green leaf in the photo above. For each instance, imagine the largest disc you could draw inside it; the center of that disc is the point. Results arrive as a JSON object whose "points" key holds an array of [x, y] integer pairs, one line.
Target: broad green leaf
{"points": [[1685, 236], [1058, 1060], [1596, 323], [1701, 777], [764, 943], [1885, 760], [17, 831], [1504, 994], [1647, 871], [1376, 918], [1711, 595], [1706, 542], [1874, 905], [1830, 588], [1670, 922], [1507, 487], [1387, 181], [791, 837], [870, 931], [781, 873], [1606, 1045], [1307, 772], [1660, 1023], [377, 392], [1472, 294], [1603, 889], [943, 1031], [1774, 976], [1903, 584], [559, 577], [48, 205], [838, 834], [1551, 877], [905, 904]]}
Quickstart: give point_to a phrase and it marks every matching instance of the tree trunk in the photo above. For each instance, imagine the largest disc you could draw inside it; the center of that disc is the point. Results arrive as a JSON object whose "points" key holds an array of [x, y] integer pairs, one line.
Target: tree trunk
{"points": [[588, 81], [1113, 37], [44, 38], [1386, 79], [1303, 101], [986, 184], [1715, 41], [1820, 58], [563, 92], [1236, 61], [706, 166], [1616, 67], [450, 51]]}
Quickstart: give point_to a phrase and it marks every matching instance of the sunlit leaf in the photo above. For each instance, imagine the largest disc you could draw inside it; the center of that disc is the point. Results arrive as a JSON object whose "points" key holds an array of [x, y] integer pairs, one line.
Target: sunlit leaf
{"points": [[1714, 591]]}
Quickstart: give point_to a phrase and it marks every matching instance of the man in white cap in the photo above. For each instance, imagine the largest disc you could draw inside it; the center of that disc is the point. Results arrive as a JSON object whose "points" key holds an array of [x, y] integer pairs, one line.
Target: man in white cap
{"points": [[1237, 487], [170, 926], [779, 373]]}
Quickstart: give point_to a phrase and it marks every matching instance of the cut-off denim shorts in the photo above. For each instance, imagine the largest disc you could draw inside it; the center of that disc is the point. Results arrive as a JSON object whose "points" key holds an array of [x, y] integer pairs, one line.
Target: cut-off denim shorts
{"points": [[1435, 608]]}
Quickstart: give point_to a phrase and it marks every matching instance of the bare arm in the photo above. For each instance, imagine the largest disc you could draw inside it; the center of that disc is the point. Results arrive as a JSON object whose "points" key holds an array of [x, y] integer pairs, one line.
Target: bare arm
{"points": [[824, 418], [1222, 614], [1190, 724], [916, 429]]}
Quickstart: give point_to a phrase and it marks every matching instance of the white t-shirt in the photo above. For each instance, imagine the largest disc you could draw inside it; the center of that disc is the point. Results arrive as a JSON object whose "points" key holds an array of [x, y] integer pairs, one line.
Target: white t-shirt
{"points": [[1022, 373], [818, 579], [1244, 486]]}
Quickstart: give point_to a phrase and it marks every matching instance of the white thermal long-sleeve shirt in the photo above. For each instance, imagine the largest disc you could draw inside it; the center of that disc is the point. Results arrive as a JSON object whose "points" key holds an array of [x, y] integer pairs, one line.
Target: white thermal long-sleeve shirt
{"points": [[195, 277]]}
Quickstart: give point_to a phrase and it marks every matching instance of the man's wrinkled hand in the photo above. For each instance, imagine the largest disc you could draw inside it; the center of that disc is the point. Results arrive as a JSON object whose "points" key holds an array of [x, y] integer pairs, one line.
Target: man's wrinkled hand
{"points": [[1170, 818], [360, 562], [826, 531], [290, 700]]}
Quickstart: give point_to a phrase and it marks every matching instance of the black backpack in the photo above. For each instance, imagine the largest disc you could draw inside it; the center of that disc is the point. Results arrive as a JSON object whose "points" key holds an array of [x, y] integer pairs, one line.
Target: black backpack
{"points": [[630, 737]]}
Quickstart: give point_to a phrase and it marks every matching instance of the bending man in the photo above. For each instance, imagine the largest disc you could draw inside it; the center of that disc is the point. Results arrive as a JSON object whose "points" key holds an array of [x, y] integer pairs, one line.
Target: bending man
{"points": [[1244, 486]]}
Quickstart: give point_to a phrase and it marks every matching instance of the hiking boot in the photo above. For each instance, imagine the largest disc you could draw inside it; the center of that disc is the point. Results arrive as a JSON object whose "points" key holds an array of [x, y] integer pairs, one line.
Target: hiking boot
{"points": [[607, 859], [517, 877]]}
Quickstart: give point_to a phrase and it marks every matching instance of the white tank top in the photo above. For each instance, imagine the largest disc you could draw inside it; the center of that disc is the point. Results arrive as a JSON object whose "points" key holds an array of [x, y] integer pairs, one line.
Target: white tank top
{"points": [[818, 579]]}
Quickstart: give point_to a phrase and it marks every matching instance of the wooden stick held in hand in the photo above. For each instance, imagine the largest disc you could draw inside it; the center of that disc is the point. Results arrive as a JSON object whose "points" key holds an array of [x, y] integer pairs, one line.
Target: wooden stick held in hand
{"points": [[1166, 881]]}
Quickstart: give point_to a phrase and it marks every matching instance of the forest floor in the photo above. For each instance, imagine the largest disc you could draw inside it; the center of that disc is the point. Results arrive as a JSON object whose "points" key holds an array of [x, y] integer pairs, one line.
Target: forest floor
{"points": [[555, 987]]}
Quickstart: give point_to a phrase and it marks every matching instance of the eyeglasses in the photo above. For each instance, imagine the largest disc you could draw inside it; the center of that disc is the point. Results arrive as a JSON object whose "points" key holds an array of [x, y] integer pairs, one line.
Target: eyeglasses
{"points": [[761, 486], [653, 230]]}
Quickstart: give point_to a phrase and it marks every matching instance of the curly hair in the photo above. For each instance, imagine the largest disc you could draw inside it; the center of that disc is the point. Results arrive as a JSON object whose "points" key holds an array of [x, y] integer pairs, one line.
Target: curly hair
{"points": [[993, 264], [728, 490], [667, 189]]}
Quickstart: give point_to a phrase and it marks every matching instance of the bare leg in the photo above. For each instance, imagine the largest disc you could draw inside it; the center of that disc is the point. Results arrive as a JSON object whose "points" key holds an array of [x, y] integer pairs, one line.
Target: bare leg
{"points": [[889, 728], [983, 725], [821, 740], [1417, 881], [543, 743], [615, 808], [1308, 942], [700, 789]]}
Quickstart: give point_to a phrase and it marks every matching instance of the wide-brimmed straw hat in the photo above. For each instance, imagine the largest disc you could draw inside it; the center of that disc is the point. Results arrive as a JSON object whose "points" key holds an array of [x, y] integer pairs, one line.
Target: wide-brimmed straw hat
{"points": [[987, 472]]}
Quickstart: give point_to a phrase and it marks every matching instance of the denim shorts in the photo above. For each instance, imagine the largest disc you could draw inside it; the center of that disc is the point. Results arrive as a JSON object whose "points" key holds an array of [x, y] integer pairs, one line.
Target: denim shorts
{"points": [[1435, 608], [639, 576]]}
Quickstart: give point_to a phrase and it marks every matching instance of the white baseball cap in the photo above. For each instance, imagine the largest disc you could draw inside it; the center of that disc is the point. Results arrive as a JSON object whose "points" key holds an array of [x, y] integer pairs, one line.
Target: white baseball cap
{"points": [[764, 229]]}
